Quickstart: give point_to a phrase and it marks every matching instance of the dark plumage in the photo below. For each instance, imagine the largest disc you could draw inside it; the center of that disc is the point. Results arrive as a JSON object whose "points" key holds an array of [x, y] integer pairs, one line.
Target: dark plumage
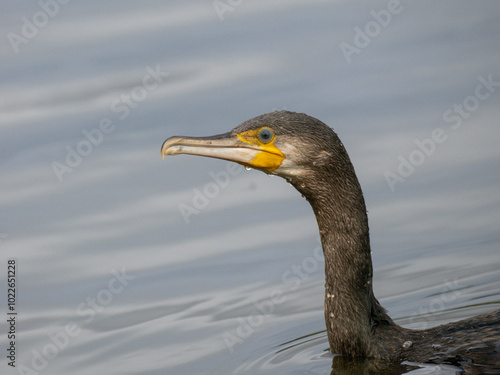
{"points": [[311, 157]]}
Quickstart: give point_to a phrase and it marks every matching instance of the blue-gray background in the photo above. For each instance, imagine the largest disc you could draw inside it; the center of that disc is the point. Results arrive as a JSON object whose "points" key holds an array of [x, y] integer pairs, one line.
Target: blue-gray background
{"points": [[191, 285]]}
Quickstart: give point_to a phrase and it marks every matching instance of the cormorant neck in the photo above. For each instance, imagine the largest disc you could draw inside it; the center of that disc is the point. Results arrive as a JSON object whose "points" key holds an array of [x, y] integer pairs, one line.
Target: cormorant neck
{"points": [[351, 310]]}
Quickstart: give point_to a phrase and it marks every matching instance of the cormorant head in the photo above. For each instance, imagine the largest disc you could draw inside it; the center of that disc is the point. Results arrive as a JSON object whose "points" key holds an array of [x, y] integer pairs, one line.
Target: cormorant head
{"points": [[291, 145]]}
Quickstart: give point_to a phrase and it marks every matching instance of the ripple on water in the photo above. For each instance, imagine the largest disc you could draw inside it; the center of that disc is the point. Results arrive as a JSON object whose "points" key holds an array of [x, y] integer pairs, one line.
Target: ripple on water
{"points": [[310, 354]]}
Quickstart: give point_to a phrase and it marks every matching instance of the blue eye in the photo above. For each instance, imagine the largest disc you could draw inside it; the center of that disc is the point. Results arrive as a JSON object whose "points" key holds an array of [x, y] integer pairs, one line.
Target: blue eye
{"points": [[266, 135]]}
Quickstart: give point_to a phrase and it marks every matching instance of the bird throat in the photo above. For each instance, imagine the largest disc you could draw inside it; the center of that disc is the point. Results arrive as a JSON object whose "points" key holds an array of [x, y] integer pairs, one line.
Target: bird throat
{"points": [[349, 299]]}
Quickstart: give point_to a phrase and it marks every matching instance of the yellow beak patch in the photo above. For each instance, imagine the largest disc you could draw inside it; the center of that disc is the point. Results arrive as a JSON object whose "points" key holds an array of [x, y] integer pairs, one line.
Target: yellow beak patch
{"points": [[269, 158]]}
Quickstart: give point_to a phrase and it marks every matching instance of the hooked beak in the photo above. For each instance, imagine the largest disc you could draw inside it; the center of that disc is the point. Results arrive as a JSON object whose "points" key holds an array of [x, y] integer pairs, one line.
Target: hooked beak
{"points": [[239, 148]]}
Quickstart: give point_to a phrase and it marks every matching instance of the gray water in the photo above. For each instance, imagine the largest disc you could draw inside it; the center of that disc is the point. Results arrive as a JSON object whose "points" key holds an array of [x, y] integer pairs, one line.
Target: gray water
{"points": [[127, 264]]}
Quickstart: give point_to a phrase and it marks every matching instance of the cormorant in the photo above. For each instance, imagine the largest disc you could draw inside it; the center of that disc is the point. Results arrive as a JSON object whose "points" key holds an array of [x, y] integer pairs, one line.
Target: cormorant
{"points": [[311, 157]]}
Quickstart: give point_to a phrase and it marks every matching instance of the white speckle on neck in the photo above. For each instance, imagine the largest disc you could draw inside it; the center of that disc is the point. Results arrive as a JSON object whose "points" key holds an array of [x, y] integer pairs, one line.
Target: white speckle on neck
{"points": [[407, 344]]}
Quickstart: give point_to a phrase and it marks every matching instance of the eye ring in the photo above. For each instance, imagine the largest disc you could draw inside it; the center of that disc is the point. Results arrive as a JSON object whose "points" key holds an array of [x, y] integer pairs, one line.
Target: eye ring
{"points": [[266, 135]]}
